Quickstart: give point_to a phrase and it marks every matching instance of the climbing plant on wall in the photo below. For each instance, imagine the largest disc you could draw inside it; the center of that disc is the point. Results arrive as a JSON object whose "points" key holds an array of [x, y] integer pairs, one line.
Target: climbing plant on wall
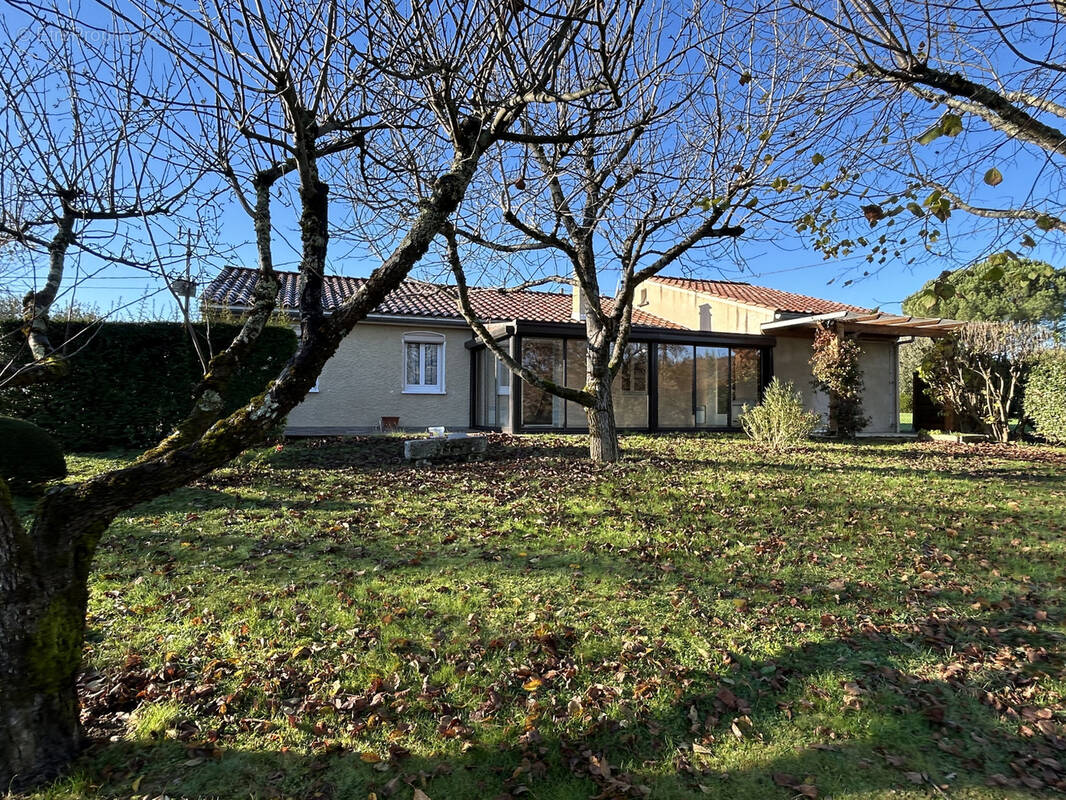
{"points": [[836, 369]]}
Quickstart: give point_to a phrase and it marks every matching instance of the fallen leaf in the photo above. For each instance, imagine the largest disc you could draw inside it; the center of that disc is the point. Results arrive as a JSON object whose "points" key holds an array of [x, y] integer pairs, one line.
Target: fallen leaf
{"points": [[785, 779]]}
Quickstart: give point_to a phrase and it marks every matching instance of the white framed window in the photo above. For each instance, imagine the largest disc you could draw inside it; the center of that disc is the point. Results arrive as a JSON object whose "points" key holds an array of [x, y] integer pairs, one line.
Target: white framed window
{"points": [[423, 363]]}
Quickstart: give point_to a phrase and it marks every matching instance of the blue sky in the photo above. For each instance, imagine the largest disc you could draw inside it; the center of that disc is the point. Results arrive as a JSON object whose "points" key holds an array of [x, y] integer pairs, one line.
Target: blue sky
{"points": [[778, 259], [783, 263]]}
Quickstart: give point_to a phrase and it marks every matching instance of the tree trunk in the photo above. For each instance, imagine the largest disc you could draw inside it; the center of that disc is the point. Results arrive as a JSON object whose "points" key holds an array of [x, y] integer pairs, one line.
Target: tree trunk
{"points": [[42, 623], [603, 432]]}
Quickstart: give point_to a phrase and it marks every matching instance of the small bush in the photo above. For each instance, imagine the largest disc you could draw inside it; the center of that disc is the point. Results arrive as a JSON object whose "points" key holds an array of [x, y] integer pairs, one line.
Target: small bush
{"points": [[780, 420], [1045, 396], [29, 455]]}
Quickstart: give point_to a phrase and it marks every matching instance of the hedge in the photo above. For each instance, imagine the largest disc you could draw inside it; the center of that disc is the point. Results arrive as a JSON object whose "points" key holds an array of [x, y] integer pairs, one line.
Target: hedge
{"points": [[1045, 396], [131, 382]]}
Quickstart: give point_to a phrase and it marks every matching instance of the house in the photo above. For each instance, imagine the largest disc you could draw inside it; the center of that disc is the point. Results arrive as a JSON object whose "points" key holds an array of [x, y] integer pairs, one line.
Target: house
{"points": [[699, 351]]}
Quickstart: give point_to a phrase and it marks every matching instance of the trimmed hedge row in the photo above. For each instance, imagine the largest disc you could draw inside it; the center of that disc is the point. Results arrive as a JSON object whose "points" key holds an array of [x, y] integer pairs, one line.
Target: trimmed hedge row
{"points": [[1045, 396], [131, 382]]}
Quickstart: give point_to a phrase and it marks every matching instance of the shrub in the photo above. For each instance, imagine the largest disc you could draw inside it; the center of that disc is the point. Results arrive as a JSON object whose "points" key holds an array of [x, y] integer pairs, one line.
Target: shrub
{"points": [[780, 421], [93, 408], [29, 455], [1045, 396]]}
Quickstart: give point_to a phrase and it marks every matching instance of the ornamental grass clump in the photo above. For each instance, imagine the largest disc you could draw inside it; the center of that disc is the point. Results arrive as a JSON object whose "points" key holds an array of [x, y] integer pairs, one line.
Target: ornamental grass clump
{"points": [[780, 421]]}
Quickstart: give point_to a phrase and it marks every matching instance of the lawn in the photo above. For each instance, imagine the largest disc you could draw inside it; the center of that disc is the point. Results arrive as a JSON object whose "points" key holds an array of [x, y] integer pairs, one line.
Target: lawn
{"points": [[705, 619]]}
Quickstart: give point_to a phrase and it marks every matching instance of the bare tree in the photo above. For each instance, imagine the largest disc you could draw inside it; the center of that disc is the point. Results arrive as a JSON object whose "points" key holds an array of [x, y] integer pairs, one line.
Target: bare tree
{"points": [[86, 168], [971, 99], [300, 82], [978, 372], [716, 133]]}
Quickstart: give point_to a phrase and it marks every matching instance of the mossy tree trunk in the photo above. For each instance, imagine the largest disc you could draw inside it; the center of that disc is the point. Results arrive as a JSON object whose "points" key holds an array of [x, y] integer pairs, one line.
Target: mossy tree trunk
{"points": [[42, 623]]}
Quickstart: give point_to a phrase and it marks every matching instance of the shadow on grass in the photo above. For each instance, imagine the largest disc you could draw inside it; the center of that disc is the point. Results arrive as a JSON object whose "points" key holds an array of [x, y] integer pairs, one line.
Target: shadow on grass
{"points": [[963, 717]]}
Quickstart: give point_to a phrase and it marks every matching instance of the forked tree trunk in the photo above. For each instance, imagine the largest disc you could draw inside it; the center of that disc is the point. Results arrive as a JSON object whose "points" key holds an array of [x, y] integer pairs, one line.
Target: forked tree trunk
{"points": [[603, 431], [42, 625], [44, 572]]}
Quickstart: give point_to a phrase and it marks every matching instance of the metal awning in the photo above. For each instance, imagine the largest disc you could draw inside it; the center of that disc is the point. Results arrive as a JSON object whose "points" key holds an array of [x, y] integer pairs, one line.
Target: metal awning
{"points": [[878, 323]]}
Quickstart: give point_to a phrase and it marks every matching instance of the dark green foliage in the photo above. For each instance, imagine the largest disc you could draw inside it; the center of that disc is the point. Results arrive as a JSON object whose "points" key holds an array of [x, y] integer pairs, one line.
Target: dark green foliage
{"points": [[131, 382], [1045, 396], [997, 290], [836, 370], [28, 456]]}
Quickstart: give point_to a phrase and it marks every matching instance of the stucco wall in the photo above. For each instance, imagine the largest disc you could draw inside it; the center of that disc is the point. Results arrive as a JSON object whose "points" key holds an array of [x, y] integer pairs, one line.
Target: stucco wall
{"points": [[700, 312], [880, 400], [792, 357], [364, 382]]}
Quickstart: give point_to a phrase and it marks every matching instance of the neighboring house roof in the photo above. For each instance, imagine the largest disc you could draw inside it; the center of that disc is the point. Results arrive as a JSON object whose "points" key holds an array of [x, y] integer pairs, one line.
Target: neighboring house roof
{"points": [[233, 287], [760, 296]]}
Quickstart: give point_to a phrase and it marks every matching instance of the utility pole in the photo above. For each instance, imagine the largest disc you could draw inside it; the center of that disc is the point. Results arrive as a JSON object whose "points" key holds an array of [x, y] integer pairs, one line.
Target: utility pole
{"points": [[184, 289]]}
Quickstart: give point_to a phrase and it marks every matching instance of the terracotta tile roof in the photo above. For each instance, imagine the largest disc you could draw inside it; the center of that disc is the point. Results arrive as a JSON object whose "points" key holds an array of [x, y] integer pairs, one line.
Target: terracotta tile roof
{"points": [[233, 287], [760, 296]]}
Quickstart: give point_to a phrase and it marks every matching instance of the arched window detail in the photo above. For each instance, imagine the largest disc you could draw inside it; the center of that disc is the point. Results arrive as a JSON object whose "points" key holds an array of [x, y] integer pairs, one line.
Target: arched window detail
{"points": [[423, 362]]}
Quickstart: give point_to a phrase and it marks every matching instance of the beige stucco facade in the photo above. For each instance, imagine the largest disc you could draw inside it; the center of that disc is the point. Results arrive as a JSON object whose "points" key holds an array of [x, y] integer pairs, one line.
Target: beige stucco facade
{"points": [[792, 355], [704, 312], [699, 311], [364, 381]]}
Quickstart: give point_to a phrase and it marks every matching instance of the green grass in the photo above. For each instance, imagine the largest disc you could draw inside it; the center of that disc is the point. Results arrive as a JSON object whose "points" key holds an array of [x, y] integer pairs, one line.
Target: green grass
{"points": [[706, 619], [906, 421]]}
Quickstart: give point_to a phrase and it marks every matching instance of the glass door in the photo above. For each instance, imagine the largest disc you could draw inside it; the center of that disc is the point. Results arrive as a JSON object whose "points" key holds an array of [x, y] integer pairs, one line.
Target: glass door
{"points": [[745, 371], [711, 405]]}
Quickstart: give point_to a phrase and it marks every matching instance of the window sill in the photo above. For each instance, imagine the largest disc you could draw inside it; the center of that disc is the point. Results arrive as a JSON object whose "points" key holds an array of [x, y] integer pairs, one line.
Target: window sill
{"points": [[436, 392]]}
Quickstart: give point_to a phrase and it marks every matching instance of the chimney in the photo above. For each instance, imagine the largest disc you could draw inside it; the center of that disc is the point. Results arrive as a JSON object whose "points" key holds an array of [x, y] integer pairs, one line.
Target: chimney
{"points": [[577, 308]]}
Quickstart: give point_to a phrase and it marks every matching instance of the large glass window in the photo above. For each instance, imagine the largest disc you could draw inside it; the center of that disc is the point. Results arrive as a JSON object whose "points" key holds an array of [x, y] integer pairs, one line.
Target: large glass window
{"points": [[545, 358], [706, 387], [698, 386], [676, 375], [746, 370], [712, 387], [630, 388]]}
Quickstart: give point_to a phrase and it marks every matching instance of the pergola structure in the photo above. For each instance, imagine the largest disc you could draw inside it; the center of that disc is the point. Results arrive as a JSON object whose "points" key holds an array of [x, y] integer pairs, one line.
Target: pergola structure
{"points": [[877, 323]]}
